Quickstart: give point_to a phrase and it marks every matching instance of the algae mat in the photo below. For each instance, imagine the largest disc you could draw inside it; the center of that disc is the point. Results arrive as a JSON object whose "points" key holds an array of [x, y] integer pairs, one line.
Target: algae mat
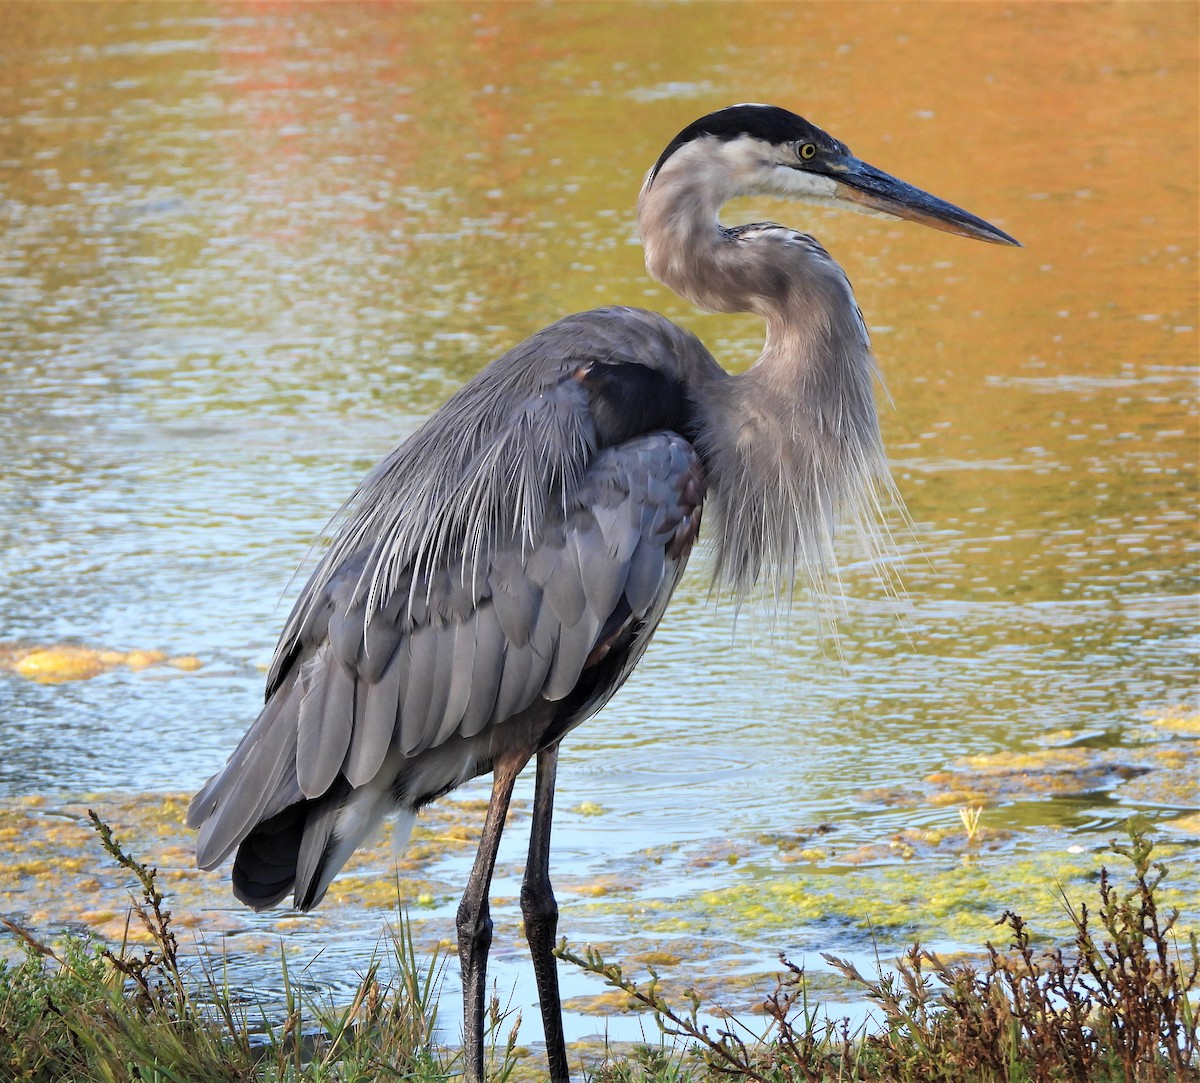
{"points": [[708, 917]]}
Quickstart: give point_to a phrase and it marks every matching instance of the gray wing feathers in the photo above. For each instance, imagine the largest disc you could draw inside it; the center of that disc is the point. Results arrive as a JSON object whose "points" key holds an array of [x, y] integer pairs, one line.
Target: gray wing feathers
{"points": [[443, 672], [574, 646], [414, 728], [462, 648], [379, 641], [345, 632], [261, 764], [318, 827], [564, 588], [602, 570], [458, 682], [518, 683], [644, 577], [376, 724], [326, 721], [517, 600], [485, 677]]}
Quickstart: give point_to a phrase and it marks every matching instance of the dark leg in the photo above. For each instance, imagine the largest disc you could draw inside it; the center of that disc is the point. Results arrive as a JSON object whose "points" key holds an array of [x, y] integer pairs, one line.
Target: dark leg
{"points": [[475, 919], [541, 915]]}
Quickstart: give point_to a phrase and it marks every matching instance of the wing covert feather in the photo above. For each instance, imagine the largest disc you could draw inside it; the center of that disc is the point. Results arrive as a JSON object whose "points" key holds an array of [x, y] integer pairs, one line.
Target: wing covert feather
{"points": [[490, 646], [263, 761], [515, 679], [603, 577], [325, 724], [443, 673], [376, 723], [517, 600], [415, 730], [380, 639], [458, 694], [564, 589], [570, 655], [645, 576]]}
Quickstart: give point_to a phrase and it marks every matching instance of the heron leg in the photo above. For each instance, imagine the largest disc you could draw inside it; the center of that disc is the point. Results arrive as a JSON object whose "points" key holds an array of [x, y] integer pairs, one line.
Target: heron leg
{"points": [[541, 915], [475, 919]]}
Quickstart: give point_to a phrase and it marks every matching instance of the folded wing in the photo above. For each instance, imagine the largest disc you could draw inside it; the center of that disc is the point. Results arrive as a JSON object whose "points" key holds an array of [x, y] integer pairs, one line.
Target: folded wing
{"points": [[386, 701]]}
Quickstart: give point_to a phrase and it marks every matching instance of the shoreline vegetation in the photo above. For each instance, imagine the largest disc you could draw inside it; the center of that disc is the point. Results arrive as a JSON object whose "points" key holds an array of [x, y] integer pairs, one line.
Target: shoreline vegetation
{"points": [[1119, 1003]]}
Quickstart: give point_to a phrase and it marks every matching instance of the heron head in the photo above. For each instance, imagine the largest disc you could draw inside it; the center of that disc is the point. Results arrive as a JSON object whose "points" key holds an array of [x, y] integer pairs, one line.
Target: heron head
{"points": [[763, 149]]}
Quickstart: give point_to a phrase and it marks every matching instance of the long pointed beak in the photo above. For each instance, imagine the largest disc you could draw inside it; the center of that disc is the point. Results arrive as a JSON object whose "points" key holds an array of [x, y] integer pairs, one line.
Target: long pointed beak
{"points": [[874, 190]]}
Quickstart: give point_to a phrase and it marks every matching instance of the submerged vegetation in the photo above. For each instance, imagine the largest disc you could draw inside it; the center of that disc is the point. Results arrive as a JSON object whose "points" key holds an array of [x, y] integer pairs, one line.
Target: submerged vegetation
{"points": [[55, 663], [1119, 1004], [84, 1012]]}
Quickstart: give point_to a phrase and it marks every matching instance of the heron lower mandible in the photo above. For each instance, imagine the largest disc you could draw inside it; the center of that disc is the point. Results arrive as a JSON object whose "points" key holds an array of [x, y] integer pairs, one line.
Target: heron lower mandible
{"points": [[502, 571]]}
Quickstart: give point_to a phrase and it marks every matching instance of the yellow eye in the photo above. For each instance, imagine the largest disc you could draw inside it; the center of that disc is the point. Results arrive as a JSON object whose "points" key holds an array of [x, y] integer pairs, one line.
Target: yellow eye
{"points": [[808, 151]]}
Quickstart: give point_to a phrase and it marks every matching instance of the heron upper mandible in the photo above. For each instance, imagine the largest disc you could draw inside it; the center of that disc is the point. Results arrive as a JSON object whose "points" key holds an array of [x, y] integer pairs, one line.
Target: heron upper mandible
{"points": [[501, 572]]}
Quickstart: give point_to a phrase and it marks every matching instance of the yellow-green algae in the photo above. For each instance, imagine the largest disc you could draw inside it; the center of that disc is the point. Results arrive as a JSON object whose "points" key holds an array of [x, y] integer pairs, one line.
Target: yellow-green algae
{"points": [[1156, 764], [704, 966], [1178, 718], [720, 994], [941, 884], [800, 890], [1189, 824], [959, 899], [59, 662], [54, 874]]}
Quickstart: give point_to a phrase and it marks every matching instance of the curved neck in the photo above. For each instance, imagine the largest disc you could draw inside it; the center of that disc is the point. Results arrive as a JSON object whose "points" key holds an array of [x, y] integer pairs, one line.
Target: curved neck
{"points": [[681, 237], [780, 275], [793, 444]]}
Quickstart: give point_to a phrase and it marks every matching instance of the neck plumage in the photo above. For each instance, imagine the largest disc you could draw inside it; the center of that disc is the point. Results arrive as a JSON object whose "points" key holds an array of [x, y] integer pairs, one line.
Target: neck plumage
{"points": [[792, 446]]}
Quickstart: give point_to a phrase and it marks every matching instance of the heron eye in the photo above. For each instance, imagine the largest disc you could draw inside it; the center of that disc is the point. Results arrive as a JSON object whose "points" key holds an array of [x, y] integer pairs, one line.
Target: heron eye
{"points": [[808, 151]]}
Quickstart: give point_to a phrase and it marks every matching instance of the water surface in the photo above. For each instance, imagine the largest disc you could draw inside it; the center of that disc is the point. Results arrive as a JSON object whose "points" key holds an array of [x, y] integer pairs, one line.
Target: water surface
{"points": [[247, 249]]}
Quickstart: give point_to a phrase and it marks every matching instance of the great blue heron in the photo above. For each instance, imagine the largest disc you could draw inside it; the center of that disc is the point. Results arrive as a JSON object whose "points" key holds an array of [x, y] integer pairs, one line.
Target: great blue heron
{"points": [[501, 572]]}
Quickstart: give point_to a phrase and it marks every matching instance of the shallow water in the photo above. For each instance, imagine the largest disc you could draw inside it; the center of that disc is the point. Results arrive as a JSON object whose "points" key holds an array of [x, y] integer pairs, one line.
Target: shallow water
{"points": [[247, 250]]}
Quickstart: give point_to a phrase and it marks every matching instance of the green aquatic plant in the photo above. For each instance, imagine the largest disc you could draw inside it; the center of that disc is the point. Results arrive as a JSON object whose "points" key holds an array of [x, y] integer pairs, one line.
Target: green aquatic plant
{"points": [[1121, 1006], [83, 1011], [1118, 1003], [969, 814], [87, 1011]]}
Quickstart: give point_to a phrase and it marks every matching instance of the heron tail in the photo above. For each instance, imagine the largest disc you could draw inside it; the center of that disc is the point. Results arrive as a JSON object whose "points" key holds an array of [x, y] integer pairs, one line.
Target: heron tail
{"points": [[302, 848]]}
